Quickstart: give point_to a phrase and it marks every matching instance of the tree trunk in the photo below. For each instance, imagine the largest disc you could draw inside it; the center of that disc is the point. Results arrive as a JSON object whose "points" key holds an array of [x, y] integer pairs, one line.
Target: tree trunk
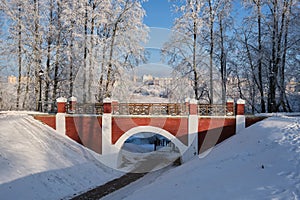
{"points": [[273, 72], [27, 87], [222, 62], [260, 81], [85, 52], [49, 43], [109, 69], [211, 22], [36, 51], [57, 57], [284, 28], [71, 60], [91, 67], [19, 55], [194, 62]]}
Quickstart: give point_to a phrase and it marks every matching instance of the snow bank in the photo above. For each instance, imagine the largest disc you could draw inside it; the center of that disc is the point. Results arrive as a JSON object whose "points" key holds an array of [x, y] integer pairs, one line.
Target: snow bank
{"points": [[262, 162], [38, 163]]}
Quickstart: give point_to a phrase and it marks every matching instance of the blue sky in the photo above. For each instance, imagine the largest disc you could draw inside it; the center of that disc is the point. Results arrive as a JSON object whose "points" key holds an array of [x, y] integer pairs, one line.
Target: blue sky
{"points": [[160, 18], [158, 13]]}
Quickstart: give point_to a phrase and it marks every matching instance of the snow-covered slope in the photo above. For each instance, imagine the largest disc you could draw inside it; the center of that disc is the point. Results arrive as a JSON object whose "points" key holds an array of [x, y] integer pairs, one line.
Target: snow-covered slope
{"points": [[38, 163], [262, 162]]}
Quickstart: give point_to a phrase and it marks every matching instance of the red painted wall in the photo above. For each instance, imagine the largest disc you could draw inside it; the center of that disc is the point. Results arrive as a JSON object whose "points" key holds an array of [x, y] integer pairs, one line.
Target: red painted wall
{"points": [[176, 126], [50, 120], [212, 131], [250, 120], [86, 130]]}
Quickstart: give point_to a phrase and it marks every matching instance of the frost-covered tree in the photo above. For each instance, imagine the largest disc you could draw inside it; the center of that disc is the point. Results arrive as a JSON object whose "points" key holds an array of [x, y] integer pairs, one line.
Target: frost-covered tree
{"points": [[123, 35], [268, 40], [200, 28], [184, 51]]}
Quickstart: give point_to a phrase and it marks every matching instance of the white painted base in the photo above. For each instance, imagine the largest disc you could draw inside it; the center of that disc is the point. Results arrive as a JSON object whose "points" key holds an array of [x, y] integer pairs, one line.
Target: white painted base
{"points": [[60, 121], [240, 123], [106, 134], [192, 150]]}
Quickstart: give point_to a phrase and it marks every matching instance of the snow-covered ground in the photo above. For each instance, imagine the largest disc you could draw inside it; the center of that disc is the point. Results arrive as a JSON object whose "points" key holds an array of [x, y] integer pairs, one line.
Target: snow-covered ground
{"points": [[262, 162], [38, 163], [143, 158]]}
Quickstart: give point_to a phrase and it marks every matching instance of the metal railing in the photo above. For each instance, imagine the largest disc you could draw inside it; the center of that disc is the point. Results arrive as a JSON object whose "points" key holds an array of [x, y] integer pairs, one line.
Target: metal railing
{"points": [[173, 109], [150, 109], [215, 110], [87, 108]]}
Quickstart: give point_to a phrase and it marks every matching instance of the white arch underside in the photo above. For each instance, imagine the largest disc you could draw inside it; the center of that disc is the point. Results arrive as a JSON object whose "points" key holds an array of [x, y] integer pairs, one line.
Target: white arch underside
{"points": [[150, 129]]}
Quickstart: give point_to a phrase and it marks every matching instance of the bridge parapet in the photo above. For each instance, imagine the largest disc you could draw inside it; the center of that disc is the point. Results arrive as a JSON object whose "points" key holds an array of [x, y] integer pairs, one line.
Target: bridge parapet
{"points": [[172, 109]]}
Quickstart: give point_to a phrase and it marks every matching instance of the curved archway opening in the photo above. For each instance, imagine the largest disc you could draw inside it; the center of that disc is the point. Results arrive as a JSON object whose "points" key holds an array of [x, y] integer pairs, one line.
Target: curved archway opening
{"points": [[146, 142], [145, 149]]}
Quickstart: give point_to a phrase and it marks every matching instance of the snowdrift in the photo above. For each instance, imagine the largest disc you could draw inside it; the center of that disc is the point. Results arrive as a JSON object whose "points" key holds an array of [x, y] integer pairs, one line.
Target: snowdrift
{"points": [[38, 163], [262, 162]]}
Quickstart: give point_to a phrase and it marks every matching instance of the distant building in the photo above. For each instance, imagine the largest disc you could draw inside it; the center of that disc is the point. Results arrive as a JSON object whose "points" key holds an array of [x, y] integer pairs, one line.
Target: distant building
{"points": [[14, 80], [148, 79], [293, 86], [163, 81]]}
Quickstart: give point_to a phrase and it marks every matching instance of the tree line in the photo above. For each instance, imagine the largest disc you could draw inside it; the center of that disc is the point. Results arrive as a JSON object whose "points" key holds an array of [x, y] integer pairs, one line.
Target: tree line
{"points": [[250, 55], [66, 37]]}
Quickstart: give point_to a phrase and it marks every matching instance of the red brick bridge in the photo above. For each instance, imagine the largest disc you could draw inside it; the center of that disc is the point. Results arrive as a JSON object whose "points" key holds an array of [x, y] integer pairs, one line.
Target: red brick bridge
{"points": [[104, 128]]}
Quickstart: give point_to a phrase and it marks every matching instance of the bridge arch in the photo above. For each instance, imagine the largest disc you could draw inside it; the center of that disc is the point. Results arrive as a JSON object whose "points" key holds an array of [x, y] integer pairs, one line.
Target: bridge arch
{"points": [[152, 129]]}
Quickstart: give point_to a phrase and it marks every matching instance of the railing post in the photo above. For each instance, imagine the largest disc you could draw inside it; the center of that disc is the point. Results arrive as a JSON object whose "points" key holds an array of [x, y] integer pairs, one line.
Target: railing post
{"points": [[240, 117], [107, 106], [193, 107], [230, 107], [187, 106], [61, 105], [72, 104], [60, 118], [240, 108]]}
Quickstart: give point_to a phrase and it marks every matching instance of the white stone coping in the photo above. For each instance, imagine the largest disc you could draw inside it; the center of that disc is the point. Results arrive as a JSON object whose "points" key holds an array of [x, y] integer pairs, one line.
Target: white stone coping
{"points": [[61, 100], [107, 100], [193, 101], [240, 101], [230, 100], [72, 98]]}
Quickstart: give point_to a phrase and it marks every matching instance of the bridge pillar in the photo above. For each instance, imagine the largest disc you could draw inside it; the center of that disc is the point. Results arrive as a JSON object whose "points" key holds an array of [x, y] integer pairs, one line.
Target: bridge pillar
{"points": [[109, 152], [192, 150], [230, 107], [240, 117], [60, 118], [72, 104]]}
